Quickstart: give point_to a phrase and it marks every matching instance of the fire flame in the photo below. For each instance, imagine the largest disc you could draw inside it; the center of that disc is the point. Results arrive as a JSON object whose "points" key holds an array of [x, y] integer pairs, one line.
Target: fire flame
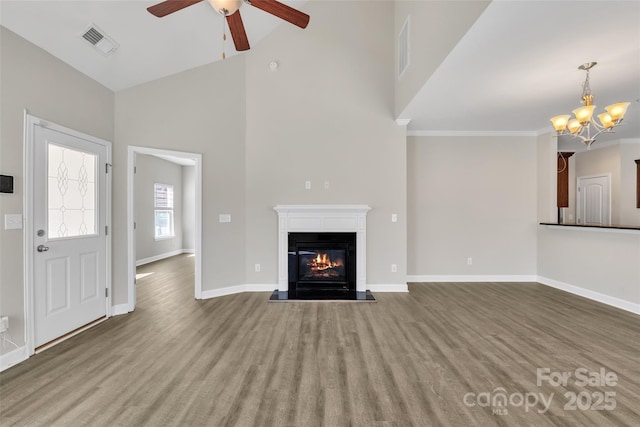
{"points": [[323, 262]]}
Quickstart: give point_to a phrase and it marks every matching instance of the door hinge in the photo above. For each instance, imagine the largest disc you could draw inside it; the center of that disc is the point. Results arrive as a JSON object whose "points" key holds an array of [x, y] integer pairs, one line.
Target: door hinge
{"points": [[106, 292], [106, 230], [106, 167], [135, 225], [135, 169]]}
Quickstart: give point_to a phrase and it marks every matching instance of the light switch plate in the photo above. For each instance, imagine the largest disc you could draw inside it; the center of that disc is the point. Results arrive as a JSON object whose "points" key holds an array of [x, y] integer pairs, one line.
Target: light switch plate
{"points": [[12, 221]]}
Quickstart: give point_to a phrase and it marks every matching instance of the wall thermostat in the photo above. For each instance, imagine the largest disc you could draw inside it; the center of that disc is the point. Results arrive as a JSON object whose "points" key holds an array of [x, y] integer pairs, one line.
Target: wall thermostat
{"points": [[6, 184]]}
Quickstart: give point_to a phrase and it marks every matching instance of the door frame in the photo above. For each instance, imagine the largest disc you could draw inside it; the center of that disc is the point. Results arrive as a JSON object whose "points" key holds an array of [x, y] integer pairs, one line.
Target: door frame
{"points": [[579, 196], [30, 122], [132, 150]]}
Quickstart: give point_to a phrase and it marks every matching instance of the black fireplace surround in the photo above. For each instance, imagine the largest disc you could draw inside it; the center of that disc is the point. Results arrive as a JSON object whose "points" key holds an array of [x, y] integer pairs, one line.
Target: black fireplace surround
{"points": [[322, 266]]}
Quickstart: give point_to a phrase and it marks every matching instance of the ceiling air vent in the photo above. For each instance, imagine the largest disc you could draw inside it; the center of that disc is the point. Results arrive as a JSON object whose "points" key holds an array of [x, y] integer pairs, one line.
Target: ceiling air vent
{"points": [[403, 49], [98, 39]]}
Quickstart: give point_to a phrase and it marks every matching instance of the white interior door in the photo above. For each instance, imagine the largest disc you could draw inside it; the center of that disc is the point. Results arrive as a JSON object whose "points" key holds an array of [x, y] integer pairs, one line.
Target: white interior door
{"points": [[69, 223], [594, 200]]}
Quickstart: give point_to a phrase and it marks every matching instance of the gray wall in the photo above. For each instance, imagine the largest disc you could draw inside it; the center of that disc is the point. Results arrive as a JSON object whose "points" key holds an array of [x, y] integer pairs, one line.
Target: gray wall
{"points": [[152, 170], [32, 79], [603, 262], [472, 197], [188, 208], [193, 112], [326, 115]]}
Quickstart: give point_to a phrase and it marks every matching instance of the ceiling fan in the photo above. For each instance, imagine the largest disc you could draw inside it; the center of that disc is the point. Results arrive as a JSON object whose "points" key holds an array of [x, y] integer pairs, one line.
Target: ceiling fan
{"points": [[230, 10]]}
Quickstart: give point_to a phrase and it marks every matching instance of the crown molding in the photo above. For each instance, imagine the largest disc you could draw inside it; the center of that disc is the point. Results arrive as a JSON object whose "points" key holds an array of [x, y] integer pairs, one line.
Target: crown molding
{"points": [[470, 133]]}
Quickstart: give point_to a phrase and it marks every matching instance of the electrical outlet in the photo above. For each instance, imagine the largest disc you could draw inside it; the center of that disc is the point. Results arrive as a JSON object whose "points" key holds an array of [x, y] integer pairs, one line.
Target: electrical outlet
{"points": [[257, 268], [394, 268], [326, 185], [224, 218], [394, 217], [4, 324], [307, 185], [469, 261]]}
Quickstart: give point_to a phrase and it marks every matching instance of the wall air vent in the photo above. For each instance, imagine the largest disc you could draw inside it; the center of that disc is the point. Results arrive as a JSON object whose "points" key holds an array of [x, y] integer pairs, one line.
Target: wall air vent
{"points": [[98, 39], [403, 48]]}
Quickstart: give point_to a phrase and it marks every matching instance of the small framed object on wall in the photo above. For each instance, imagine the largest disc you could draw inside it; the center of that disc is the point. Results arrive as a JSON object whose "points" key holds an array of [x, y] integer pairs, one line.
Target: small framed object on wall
{"points": [[6, 184]]}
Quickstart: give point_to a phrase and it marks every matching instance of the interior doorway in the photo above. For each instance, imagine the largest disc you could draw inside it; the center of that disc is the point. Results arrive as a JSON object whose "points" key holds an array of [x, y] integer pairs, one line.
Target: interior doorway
{"points": [[180, 158]]}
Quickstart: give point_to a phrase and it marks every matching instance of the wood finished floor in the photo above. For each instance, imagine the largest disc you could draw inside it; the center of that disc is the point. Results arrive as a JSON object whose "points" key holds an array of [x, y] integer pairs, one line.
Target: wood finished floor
{"points": [[408, 359]]}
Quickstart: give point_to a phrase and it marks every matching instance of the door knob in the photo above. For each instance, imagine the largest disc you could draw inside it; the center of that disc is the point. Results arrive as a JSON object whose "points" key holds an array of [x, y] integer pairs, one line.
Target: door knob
{"points": [[43, 248]]}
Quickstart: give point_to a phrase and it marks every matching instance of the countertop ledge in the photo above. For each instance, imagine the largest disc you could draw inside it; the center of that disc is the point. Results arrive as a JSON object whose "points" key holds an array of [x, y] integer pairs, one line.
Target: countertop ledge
{"points": [[609, 227]]}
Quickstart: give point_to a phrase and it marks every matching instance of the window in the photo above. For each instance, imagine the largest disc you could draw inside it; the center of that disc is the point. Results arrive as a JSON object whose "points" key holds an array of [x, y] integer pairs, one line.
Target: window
{"points": [[163, 197]]}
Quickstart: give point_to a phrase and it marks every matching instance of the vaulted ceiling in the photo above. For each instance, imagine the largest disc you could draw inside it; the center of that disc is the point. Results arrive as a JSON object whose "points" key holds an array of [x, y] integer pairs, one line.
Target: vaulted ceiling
{"points": [[514, 68]]}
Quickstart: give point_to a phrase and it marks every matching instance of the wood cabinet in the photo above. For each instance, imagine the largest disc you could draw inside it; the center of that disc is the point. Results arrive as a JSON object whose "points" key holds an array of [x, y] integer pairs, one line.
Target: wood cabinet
{"points": [[563, 178]]}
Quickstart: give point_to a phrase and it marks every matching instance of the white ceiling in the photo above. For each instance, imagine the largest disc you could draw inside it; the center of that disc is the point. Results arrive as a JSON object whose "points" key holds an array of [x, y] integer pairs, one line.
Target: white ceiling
{"points": [[515, 68], [150, 47]]}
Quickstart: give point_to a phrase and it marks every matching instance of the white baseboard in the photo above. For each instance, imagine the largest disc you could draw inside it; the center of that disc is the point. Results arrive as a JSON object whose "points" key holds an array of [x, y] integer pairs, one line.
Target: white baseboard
{"points": [[260, 287], [230, 290], [473, 278], [394, 287], [14, 357], [119, 309], [592, 295], [144, 261]]}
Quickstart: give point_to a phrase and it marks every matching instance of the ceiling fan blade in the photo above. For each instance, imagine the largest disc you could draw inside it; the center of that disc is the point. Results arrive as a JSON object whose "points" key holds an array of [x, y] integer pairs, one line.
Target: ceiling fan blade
{"points": [[282, 11], [236, 27], [167, 7]]}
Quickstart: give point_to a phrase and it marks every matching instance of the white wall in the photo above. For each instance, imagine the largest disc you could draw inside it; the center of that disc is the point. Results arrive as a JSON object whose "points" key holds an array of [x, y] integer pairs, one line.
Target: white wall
{"points": [[32, 79], [326, 115], [435, 28], [472, 197], [150, 171]]}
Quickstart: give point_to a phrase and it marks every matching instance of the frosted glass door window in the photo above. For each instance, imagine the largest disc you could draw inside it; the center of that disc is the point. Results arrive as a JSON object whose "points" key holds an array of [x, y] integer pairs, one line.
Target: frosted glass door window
{"points": [[72, 188]]}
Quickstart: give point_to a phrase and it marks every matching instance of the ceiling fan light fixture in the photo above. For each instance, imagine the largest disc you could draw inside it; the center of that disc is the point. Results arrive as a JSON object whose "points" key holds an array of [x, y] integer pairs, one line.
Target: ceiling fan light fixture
{"points": [[225, 7]]}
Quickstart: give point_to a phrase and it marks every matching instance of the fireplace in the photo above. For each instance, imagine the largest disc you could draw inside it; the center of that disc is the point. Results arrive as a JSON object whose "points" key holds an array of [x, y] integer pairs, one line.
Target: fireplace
{"points": [[324, 229], [322, 265]]}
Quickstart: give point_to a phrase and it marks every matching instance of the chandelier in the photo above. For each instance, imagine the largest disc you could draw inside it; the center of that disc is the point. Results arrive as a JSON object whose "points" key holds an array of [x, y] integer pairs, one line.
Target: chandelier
{"points": [[582, 126]]}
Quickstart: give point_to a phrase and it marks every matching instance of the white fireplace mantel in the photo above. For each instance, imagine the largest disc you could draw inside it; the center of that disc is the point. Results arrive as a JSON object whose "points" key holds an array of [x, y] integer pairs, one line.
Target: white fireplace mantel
{"points": [[317, 219]]}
